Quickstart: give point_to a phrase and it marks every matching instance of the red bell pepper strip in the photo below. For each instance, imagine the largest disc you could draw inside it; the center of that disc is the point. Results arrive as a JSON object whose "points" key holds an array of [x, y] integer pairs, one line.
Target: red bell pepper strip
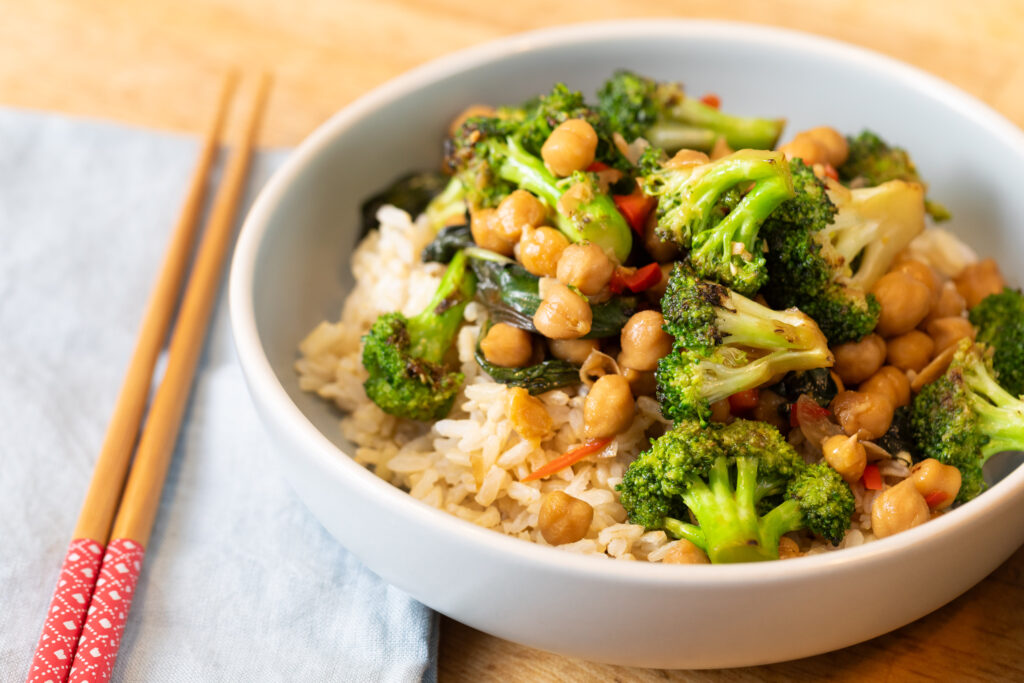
{"points": [[635, 208], [636, 281], [712, 100], [872, 478], [831, 172], [597, 167], [743, 401], [570, 458], [936, 498]]}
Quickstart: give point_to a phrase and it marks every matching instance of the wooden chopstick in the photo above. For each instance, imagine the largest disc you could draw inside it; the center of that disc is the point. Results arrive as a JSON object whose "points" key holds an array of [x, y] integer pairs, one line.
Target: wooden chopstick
{"points": [[66, 613], [122, 561]]}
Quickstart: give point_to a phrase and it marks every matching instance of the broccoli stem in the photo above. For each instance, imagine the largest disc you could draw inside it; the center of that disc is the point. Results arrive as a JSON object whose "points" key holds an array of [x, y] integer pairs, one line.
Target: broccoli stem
{"points": [[447, 206], [742, 224], [740, 132], [1001, 416], [594, 220], [745, 322], [727, 516], [432, 331], [722, 381], [672, 136], [849, 238]]}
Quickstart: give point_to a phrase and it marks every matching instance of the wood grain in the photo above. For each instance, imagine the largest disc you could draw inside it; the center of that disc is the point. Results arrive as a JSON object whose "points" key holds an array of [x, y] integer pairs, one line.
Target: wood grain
{"points": [[151, 63]]}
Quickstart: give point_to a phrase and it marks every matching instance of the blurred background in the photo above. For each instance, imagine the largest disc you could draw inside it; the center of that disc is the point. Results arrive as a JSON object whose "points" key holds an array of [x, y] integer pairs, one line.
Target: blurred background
{"points": [[157, 64]]}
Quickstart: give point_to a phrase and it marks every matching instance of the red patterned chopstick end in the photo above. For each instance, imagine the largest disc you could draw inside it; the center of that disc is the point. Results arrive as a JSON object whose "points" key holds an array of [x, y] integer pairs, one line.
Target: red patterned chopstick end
{"points": [[64, 619], [108, 612]]}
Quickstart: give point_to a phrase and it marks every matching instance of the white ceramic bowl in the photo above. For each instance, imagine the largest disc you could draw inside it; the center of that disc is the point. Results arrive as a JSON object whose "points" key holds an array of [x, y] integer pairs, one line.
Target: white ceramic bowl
{"points": [[291, 270]]}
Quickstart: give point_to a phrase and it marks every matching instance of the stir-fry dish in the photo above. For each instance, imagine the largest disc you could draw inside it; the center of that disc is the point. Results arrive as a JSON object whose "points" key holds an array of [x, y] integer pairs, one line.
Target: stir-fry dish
{"points": [[638, 327]]}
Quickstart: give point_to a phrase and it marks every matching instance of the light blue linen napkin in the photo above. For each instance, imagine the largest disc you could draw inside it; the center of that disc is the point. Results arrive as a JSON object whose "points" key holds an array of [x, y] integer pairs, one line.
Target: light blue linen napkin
{"points": [[239, 582]]}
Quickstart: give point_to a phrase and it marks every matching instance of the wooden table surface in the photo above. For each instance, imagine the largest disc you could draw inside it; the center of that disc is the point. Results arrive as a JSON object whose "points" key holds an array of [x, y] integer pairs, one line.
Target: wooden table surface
{"points": [[156, 64]]}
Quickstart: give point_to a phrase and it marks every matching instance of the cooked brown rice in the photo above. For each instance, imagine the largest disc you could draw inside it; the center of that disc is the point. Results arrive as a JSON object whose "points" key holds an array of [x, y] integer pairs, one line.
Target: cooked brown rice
{"points": [[472, 463]]}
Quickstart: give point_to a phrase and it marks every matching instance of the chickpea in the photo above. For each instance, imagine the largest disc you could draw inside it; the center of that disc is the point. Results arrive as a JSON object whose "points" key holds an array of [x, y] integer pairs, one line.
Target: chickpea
{"points": [[660, 250], [866, 415], [836, 150], [846, 456], [685, 552], [608, 408], [529, 416], [483, 225], [804, 147], [978, 280], [643, 341], [468, 113], [570, 147], [563, 518], [573, 350], [910, 351], [897, 509], [539, 250], [948, 331], [767, 408], [788, 548], [685, 158], [923, 273], [856, 361], [949, 304], [721, 411], [516, 211], [586, 267], [890, 382], [904, 301], [932, 477], [507, 346], [563, 314]]}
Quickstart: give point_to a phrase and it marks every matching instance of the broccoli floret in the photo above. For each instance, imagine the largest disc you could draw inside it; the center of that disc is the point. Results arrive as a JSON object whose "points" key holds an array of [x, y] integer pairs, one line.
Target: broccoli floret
{"points": [[637, 106], [872, 161], [726, 343], [1000, 322], [480, 184], [815, 239], [404, 356], [965, 417], [720, 477], [746, 186], [489, 157]]}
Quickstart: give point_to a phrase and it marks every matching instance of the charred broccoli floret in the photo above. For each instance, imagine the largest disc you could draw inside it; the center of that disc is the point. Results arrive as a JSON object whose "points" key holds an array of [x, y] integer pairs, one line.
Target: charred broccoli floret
{"points": [[405, 356], [828, 246], [742, 485], [964, 417], [637, 106], [872, 161], [1000, 322], [726, 343], [716, 209]]}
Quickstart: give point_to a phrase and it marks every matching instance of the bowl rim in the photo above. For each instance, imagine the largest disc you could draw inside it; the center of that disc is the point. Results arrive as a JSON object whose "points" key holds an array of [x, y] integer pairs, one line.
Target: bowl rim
{"points": [[314, 444]]}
